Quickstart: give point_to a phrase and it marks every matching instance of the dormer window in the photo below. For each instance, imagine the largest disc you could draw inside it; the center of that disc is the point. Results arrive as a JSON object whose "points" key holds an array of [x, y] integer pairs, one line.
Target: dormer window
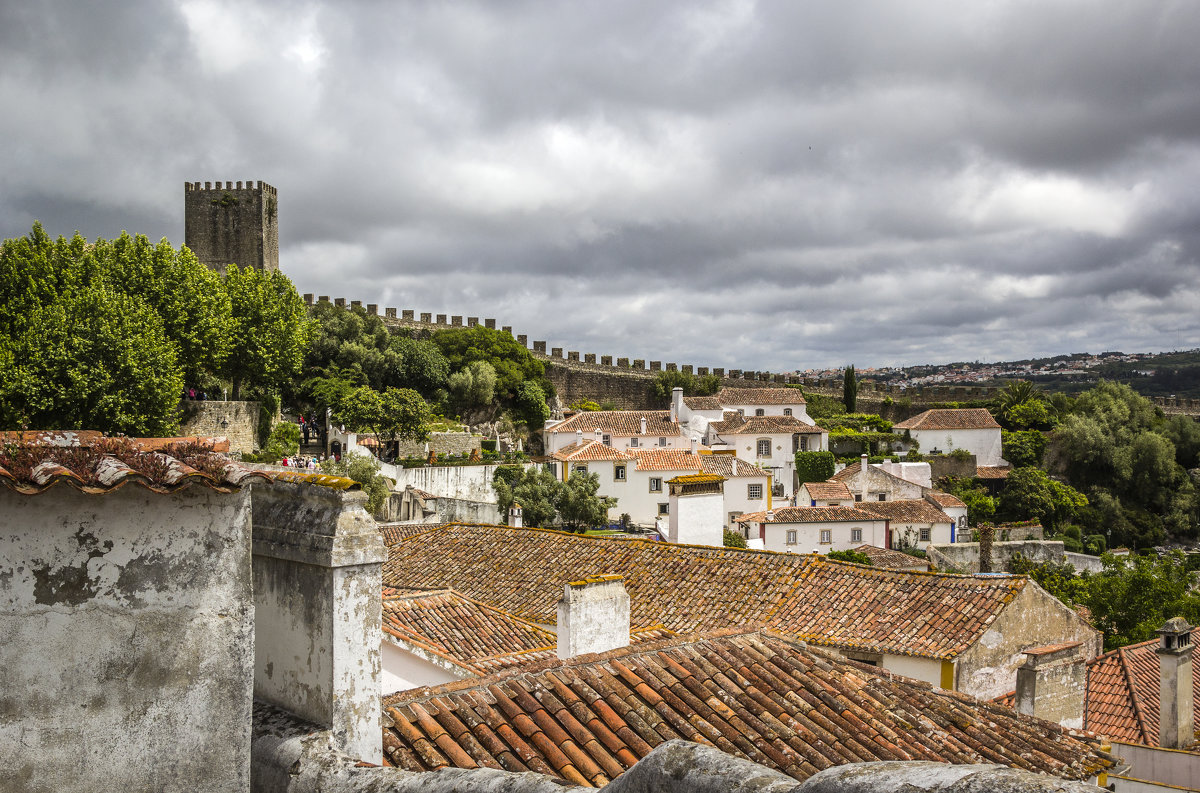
{"points": [[787, 411], [760, 412], [633, 442], [662, 441]]}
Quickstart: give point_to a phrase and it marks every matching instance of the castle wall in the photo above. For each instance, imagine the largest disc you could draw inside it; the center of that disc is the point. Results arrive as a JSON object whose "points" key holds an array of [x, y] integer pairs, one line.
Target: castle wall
{"points": [[228, 223], [237, 421]]}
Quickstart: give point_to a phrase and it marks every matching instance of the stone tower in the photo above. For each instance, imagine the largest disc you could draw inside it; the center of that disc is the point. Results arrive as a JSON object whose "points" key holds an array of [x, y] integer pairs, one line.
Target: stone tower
{"points": [[228, 223]]}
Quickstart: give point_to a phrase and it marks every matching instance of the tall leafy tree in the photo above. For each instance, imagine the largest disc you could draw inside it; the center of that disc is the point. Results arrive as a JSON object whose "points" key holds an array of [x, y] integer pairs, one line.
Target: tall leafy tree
{"points": [[849, 389], [578, 505], [270, 329]]}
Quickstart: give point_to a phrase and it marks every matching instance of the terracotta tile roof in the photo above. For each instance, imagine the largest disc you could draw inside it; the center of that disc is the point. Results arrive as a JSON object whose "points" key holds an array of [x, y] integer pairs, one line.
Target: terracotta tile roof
{"points": [[590, 451], [892, 560], [827, 491], [950, 419], [944, 500], [729, 466], [398, 532], [474, 636], [850, 473], [32, 463], [915, 510], [760, 396], [809, 515], [620, 422], [702, 402], [754, 695], [768, 425], [690, 587], [667, 460], [991, 472], [1122, 693]]}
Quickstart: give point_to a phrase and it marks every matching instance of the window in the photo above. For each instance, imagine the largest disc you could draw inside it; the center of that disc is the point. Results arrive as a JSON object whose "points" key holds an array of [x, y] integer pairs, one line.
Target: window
{"points": [[856, 535], [883, 496], [608, 440], [764, 447], [754, 492], [579, 468], [633, 442], [826, 536], [925, 534], [733, 516], [655, 484], [664, 509], [618, 473], [791, 537], [858, 496], [760, 412], [662, 441], [803, 443], [787, 411]]}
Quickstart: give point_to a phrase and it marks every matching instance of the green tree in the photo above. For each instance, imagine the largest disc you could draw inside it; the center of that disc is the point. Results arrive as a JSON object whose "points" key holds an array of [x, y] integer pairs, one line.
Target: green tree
{"points": [[666, 382], [858, 557], [405, 415], [1023, 448], [814, 466], [423, 368], [1029, 494], [365, 471], [981, 507], [270, 330], [849, 389], [512, 363], [529, 405], [733, 539], [535, 489], [473, 386], [579, 507]]}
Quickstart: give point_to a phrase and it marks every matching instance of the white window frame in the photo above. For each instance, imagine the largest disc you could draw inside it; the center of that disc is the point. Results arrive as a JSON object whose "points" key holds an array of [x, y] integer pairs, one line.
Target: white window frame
{"points": [[790, 537], [607, 440], [856, 535], [803, 443], [754, 492], [656, 484], [826, 536], [619, 472], [579, 468]]}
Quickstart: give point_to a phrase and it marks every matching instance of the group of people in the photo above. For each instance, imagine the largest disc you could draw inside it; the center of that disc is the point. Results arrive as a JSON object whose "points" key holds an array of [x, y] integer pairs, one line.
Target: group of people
{"points": [[306, 461], [192, 393]]}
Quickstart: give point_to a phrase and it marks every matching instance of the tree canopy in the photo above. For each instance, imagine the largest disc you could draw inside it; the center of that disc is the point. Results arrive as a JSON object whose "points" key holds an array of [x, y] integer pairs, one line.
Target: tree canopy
{"points": [[270, 331]]}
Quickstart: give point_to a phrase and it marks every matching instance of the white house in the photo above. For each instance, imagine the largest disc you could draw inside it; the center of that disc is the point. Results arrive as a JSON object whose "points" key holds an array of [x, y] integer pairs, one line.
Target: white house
{"points": [[816, 529], [747, 487], [621, 429], [824, 494], [878, 484], [944, 430], [771, 443], [911, 522], [765, 402]]}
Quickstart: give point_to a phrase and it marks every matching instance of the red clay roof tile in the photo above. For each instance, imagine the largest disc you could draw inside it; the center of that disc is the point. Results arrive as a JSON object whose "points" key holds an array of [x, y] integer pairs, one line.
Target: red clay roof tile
{"points": [[950, 419]]}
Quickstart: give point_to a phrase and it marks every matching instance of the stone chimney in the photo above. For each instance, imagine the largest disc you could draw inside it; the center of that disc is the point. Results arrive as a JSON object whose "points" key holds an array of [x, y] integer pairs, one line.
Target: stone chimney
{"points": [[643, 425], [516, 516], [1052, 682], [863, 473], [676, 402], [1176, 721], [593, 616]]}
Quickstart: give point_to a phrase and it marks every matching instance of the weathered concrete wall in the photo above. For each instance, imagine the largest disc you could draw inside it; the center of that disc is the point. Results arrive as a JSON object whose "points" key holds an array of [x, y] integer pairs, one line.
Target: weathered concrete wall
{"points": [[1083, 562], [126, 640], [237, 421], [443, 443], [964, 556], [466, 482], [1035, 617], [317, 594], [1052, 686], [1166, 766]]}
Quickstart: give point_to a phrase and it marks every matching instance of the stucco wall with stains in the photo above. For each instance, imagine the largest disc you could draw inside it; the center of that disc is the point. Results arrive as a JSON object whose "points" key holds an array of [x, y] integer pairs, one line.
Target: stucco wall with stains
{"points": [[989, 667], [126, 640]]}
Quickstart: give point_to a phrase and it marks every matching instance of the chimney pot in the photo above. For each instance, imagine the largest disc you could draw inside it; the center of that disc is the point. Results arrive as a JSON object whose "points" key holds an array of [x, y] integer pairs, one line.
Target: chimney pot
{"points": [[643, 425], [1052, 682], [593, 616], [1176, 723]]}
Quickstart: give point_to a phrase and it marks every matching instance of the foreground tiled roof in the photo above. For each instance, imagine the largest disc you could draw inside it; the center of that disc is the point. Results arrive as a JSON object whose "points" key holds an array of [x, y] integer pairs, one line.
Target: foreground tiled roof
{"points": [[769, 425], [687, 588], [667, 460], [808, 515], [94, 464], [950, 419], [620, 422], [828, 491], [396, 532], [1122, 693], [753, 695], [473, 636], [702, 402], [589, 451], [910, 510], [760, 396], [729, 466], [891, 560]]}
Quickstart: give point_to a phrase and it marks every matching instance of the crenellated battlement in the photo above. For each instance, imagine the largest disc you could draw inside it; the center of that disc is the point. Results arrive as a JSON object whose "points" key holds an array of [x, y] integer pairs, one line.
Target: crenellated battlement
{"points": [[266, 189], [232, 223]]}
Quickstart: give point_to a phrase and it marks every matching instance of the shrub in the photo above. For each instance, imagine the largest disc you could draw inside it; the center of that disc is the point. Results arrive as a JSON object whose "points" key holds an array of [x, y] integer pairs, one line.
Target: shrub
{"points": [[733, 539], [814, 466], [850, 556]]}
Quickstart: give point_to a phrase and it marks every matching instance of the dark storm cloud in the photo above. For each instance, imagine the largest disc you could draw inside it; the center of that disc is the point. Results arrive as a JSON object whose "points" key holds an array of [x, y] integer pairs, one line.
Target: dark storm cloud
{"points": [[753, 185]]}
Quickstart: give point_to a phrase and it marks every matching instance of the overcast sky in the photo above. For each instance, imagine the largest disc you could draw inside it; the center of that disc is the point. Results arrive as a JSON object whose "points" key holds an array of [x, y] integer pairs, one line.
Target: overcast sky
{"points": [[774, 185]]}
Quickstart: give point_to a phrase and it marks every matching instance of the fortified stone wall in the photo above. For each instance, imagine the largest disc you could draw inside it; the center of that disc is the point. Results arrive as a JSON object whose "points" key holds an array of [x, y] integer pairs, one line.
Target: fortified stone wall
{"points": [[964, 556], [232, 224], [237, 421], [443, 443], [626, 381]]}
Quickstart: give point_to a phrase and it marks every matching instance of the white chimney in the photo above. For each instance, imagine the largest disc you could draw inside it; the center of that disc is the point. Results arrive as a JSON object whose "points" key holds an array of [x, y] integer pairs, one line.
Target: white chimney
{"points": [[599, 435], [696, 511], [693, 445], [593, 616], [1176, 721], [643, 425], [676, 402], [862, 478], [1052, 682], [579, 437], [516, 517]]}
